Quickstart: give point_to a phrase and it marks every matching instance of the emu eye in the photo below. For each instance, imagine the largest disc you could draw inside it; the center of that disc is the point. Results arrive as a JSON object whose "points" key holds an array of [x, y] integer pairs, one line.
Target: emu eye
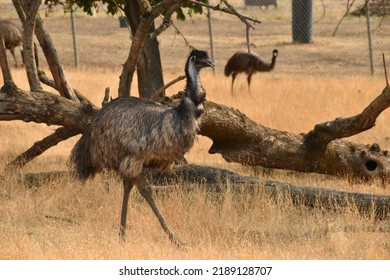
{"points": [[193, 58]]}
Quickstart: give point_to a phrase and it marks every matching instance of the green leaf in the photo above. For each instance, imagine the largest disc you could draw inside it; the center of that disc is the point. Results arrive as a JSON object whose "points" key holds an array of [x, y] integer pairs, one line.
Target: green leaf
{"points": [[180, 15]]}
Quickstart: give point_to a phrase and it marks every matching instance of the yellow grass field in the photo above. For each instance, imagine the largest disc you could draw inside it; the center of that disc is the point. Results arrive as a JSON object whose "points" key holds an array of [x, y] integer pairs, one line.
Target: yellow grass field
{"points": [[64, 219]]}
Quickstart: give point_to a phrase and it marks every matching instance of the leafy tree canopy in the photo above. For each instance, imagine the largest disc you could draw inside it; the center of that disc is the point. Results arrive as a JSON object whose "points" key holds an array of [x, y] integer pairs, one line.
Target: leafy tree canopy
{"points": [[114, 5]]}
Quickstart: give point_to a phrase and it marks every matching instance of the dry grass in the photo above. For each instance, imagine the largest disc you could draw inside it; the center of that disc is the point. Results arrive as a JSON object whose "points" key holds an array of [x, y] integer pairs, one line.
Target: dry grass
{"points": [[64, 219]]}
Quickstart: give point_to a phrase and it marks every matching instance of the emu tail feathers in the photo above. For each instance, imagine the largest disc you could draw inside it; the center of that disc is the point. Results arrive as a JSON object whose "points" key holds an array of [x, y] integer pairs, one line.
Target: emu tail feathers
{"points": [[80, 158], [229, 67]]}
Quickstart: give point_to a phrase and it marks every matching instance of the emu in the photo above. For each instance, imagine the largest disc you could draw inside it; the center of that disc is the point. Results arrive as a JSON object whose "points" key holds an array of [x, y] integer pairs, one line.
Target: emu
{"points": [[130, 135], [249, 63], [12, 36]]}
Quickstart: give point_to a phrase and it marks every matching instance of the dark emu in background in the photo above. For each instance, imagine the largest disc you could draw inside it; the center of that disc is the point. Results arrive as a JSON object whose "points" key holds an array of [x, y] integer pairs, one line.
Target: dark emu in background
{"points": [[131, 134], [12, 36], [249, 63]]}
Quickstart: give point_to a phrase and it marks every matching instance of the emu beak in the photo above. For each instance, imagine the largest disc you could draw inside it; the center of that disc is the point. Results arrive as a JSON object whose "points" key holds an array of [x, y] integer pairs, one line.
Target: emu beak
{"points": [[206, 62]]}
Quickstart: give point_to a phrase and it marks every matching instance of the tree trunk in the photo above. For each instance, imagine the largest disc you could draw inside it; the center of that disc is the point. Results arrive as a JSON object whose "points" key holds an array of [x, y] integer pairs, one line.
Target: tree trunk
{"points": [[239, 139], [236, 137], [6, 71], [149, 69], [61, 82], [44, 107]]}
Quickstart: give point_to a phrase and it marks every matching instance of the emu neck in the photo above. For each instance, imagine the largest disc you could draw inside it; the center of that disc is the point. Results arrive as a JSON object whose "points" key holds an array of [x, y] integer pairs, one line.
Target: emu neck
{"points": [[272, 65], [193, 86], [267, 66]]}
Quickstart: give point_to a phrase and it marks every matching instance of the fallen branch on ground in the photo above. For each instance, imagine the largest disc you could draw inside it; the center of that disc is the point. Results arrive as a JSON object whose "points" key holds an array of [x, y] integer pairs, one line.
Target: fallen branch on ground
{"points": [[218, 179]]}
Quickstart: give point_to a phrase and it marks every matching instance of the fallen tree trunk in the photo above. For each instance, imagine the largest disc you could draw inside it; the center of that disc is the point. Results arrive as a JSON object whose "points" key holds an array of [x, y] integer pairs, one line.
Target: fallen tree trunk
{"points": [[324, 198], [239, 139], [236, 137], [44, 107], [217, 179]]}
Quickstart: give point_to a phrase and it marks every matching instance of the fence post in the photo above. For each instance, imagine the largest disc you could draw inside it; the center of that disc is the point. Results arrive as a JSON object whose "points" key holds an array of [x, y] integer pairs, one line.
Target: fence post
{"points": [[302, 21], [75, 49], [210, 21], [370, 38]]}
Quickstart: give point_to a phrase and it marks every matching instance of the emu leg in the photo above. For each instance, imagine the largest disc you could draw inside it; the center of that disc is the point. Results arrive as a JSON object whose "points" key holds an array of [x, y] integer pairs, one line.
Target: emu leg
{"points": [[249, 82], [127, 186], [13, 54], [234, 75], [144, 189], [36, 55]]}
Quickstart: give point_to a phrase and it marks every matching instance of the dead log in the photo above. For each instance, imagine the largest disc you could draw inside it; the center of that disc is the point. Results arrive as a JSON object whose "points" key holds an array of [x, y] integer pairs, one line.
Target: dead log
{"points": [[236, 137], [239, 139], [323, 198], [218, 180], [44, 107]]}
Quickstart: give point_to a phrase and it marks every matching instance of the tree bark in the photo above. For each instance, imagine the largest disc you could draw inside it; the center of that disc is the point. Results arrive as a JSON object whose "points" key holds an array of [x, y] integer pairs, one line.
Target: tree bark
{"points": [[236, 137], [323, 198], [6, 71], [149, 69], [62, 84], [239, 139], [44, 107], [28, 45]]}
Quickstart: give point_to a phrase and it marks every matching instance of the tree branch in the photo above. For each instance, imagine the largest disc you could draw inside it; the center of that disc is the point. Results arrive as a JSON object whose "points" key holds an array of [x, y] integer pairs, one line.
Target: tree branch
{"points": [[349, 6], [239, 139], [324, 133], [7, 76], [50, 53], [177, 31], [165, 23], [56, 69], [41, 146], [229, 9], [44, 107], [158, 92], [31, 11], [147, 18], [385, 69], [47, 81], [149, 13]]}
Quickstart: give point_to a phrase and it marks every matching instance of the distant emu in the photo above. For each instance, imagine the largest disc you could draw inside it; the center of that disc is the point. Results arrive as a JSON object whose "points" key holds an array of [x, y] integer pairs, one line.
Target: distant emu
{"points": [[12, 36], [248, 63], [131, 134]]}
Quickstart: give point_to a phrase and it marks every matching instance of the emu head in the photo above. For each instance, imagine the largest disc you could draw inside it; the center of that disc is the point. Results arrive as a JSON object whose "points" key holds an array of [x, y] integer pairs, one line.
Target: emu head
{"points": [[275, 53], [196, 61]]}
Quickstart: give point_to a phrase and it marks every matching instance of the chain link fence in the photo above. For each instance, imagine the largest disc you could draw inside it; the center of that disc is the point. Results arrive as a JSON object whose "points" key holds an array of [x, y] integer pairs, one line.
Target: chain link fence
{"points": [[337, 36]]}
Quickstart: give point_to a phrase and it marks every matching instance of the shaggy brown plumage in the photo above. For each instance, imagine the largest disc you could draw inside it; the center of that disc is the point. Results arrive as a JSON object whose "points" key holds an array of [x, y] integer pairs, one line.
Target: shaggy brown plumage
{"points": [[131, 134]]}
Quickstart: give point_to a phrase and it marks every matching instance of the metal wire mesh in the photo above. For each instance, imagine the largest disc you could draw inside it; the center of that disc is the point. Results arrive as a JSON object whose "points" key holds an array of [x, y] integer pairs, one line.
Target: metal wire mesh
{"points": [[338, 39]]}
